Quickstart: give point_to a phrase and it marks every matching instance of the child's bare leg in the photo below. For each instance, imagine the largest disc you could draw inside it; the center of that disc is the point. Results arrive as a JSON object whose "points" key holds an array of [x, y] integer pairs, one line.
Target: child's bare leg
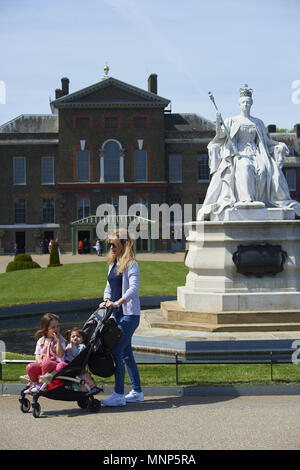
{"points": [[88, 378]]}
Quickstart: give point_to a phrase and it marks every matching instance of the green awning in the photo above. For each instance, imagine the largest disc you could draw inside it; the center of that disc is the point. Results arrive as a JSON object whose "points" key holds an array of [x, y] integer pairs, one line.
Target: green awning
{"points": [[122, 220], [116, 221]]}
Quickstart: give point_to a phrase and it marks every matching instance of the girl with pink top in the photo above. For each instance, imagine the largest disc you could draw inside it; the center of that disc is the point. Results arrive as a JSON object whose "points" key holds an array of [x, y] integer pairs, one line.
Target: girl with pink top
{"points": [[49, 352]]}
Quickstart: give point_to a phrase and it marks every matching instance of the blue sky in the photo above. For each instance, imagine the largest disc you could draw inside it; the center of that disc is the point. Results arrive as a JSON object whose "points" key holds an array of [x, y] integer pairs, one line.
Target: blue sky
{"points": [[194, 46]]}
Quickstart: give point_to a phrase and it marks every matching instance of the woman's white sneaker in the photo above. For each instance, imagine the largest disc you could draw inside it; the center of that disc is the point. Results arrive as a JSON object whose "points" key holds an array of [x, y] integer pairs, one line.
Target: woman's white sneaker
{"points": [[133, 396], [114, 400]]}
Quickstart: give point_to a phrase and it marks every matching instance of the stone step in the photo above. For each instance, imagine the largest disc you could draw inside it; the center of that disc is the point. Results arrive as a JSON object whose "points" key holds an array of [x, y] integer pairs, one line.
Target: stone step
{"points": [[230, 328], [156, 319], [258, 327], [174, 312]]}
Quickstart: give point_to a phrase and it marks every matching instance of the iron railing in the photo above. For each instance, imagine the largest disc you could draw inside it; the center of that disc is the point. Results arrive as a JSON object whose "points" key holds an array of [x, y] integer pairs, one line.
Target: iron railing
{"points": [[263, 356]]}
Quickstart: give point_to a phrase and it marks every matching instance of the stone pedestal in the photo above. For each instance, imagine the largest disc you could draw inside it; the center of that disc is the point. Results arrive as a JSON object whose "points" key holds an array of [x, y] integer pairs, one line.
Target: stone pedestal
{"points": [[215, 292], [250, 213]]}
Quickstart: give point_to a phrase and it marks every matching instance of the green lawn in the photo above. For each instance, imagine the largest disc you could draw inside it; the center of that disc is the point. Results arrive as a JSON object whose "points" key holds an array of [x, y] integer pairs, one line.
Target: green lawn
{"points": [[189, 374], [83, 281], [87, 280]]}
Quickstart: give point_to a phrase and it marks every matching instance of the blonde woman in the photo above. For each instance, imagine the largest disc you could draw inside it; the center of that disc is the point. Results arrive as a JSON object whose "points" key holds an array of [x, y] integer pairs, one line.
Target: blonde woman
{"points": [[122, 292]]}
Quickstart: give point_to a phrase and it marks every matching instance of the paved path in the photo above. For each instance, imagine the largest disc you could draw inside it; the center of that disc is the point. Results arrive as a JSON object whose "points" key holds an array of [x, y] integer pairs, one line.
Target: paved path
{"points": [[160, 423], [68, 258]]}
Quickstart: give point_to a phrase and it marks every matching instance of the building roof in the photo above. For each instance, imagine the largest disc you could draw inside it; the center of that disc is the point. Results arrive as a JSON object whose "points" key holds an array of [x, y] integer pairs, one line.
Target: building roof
{"points": [[186, 122], [32, 124], [188, 127], [100, 95]]}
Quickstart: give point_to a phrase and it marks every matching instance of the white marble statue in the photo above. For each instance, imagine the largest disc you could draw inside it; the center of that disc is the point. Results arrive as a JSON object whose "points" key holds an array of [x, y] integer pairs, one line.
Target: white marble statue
{"points": [[245, 165]]}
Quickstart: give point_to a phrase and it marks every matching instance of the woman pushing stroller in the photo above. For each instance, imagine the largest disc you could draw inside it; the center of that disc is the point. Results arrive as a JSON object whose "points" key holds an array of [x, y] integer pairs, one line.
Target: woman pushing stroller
{"points": [[122, 293]]}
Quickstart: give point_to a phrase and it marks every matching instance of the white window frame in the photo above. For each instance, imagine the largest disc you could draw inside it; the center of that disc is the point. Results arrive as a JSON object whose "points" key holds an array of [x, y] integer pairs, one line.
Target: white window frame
{"points": [[103, 179], [43, 159], [19, 159]]}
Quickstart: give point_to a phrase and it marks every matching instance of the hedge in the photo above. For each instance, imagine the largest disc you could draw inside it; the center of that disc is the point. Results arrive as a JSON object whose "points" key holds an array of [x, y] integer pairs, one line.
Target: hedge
{"points": [[21, 261]]}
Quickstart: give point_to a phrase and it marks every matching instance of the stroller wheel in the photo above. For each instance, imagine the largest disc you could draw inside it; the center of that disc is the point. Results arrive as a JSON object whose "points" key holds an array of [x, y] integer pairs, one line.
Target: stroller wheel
{"points": [[36, 411], [25, 405], [94, 405], [83, 403]]}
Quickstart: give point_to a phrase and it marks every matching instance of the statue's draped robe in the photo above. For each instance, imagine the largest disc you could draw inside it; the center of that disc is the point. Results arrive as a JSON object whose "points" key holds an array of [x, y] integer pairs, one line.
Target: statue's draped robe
{"points": [[221, 192]]}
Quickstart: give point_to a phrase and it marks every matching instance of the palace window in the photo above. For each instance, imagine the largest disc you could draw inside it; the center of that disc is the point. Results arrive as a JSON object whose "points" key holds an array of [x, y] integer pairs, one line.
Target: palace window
{"points": [[82, 165], [47, 170], [20, 211], [82, 122], [111, 122], [140, 165], [290, 175], [140, 122], [175, 168], [19, 170], [143, 202], [111, 161], [203, 168], [175, 214], [48, 210], [114, 202], [83, 207]]}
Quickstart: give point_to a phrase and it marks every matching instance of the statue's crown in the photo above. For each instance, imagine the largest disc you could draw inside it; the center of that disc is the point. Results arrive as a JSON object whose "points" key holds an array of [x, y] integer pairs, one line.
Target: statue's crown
{"points": [[246, 91]]}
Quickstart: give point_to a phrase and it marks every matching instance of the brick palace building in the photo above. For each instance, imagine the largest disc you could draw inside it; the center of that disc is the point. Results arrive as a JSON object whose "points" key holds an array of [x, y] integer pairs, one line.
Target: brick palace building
{"points": [[108, 140]]}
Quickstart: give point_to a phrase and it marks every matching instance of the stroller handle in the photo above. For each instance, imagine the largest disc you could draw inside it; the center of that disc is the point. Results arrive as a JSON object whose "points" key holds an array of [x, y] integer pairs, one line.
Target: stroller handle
{"points": [[108, 313], [101, 320]]}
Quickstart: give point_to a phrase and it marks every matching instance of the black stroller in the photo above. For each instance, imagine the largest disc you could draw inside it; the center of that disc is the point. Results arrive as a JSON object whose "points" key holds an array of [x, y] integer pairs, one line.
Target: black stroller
{"points": [[102, 335]]}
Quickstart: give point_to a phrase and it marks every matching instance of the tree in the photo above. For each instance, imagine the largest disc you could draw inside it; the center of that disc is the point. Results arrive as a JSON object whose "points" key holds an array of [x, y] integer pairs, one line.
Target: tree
{"points": [[54, 255]]}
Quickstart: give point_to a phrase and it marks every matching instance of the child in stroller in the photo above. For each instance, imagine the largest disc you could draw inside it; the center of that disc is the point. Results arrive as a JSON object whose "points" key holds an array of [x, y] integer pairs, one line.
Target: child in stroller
{"points": [[77, 339], [49, 351], [102, 335]]}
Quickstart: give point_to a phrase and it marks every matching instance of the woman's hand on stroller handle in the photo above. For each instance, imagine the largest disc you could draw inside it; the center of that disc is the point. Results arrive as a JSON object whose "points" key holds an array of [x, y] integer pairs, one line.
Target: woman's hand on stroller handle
{"points": [[108, 303]]}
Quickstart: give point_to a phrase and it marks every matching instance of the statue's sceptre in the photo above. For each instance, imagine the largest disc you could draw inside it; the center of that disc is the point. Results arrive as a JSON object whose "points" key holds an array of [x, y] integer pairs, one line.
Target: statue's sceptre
{"points": [[225, 128]]}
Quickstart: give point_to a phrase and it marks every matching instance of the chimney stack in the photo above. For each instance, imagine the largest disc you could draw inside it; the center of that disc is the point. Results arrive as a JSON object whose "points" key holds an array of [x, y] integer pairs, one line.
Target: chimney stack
{"points": [[65, 86], [297, 130], [58, 93], [152, 83], [271, 128]]}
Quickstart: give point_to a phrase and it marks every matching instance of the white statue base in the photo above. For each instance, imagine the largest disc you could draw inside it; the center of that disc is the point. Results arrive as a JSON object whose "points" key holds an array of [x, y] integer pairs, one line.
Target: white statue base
{"points": [[242, 211], [213, 285], [249, 205]]}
